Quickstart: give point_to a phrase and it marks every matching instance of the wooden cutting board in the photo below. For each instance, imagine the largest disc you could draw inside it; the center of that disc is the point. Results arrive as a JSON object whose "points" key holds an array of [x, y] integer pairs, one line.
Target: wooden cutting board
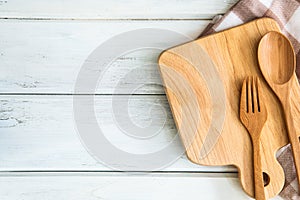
{"points": [[203, 81]]}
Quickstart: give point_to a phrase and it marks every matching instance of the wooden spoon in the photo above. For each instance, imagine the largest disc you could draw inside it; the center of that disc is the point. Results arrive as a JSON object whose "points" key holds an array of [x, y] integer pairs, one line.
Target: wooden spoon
{"points": [[277, 62]]}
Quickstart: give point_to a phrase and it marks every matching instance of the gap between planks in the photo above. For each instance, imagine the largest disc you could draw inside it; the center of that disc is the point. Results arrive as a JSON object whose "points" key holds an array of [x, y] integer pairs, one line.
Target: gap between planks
{"points": [[107, 19], [121, 173], [70, 94], [103, 9]]}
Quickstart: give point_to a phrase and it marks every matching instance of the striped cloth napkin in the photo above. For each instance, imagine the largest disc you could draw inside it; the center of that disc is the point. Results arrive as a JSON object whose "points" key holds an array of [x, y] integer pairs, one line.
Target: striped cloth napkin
{"points": [[287, 14]]}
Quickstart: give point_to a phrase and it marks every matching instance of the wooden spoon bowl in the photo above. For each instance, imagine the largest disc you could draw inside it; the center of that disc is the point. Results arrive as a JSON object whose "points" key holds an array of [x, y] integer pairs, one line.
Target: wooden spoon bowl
{"points": [[276, 53]]}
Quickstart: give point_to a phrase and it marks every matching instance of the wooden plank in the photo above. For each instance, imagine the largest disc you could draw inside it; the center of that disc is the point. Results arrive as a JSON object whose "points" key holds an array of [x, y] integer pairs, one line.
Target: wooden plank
{"points": [[39, 132], [46, 56], [120, 186], [118, 9]]}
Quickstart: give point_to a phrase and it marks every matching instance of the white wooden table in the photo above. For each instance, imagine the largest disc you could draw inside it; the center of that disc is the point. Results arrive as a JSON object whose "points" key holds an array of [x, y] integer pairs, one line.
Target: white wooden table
{"points": [[42, 47]]}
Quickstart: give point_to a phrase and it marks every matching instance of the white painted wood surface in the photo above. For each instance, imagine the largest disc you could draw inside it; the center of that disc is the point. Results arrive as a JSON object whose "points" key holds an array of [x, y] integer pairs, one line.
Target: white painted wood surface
{"points": [[112, 186], [116, 9], [46, 56], [121, 186], [42, 47], [38, 133]]}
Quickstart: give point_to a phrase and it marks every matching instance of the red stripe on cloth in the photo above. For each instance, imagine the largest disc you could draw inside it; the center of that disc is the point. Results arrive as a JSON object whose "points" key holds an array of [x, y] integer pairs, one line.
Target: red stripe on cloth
{"points": [[282, 11], [298, 66], [287, 162], [288, 192], [248, 10], [208, 30]]}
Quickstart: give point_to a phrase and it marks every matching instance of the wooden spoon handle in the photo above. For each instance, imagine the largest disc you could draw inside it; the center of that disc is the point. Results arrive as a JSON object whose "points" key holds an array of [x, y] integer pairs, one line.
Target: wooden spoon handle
{"points": [[259, 188], [294, 140]]}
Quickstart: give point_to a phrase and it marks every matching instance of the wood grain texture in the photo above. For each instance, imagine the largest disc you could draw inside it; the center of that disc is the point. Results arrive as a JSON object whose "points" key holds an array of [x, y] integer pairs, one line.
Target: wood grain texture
{"points": [[125, 186], [44, 57], [233, 145], [117, 9], [38, 133], [277, 62]]}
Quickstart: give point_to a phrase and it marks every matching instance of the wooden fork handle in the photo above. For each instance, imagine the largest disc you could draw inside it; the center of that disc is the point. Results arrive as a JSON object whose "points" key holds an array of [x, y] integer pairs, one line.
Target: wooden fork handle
{"points": [[259, 188]]}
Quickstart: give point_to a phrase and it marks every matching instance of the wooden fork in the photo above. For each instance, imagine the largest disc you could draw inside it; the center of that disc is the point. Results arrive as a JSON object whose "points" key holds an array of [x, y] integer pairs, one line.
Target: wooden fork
{"points": [[253, 115]]}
